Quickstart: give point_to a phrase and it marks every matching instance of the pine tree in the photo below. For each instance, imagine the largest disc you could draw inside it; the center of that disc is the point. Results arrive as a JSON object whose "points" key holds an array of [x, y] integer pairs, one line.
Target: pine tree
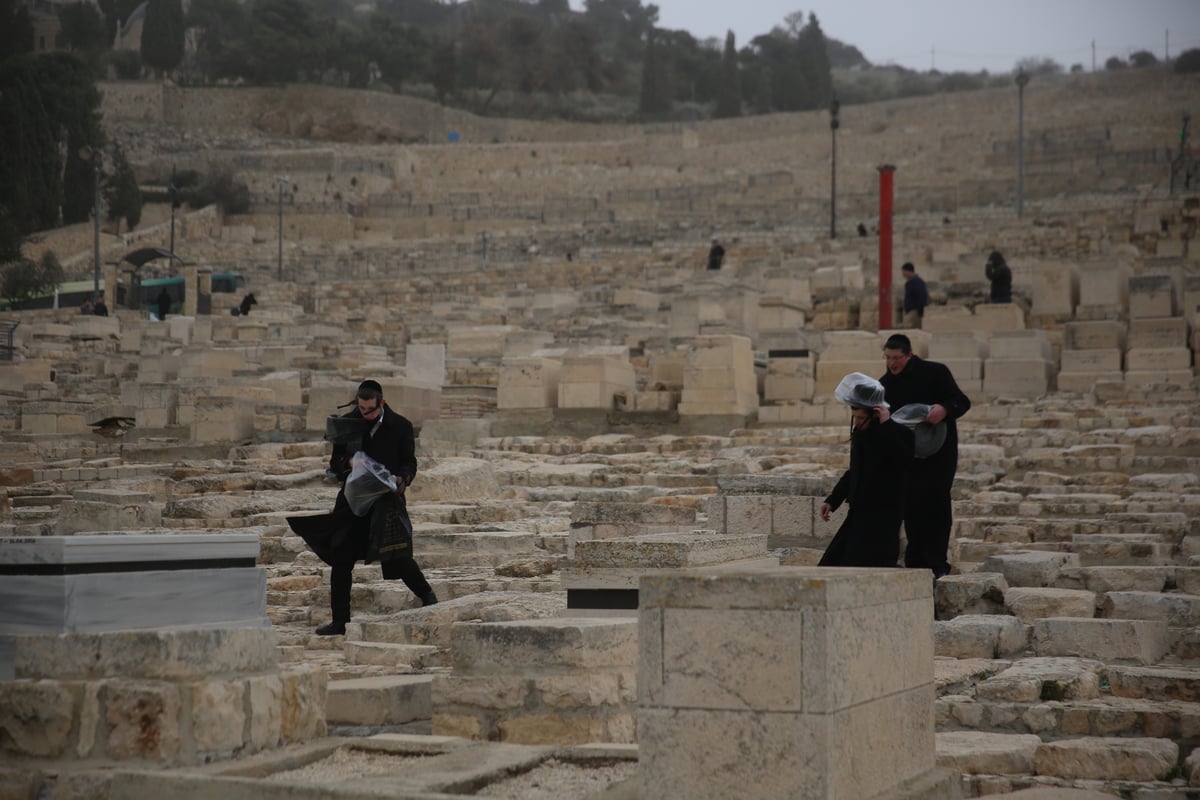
{"points": [[729, 86], [122, 196], [162, 35], [655, 98]]}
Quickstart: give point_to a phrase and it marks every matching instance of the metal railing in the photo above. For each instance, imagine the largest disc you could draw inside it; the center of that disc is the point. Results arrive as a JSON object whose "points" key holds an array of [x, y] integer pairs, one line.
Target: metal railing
{"points": [[7, 328]]}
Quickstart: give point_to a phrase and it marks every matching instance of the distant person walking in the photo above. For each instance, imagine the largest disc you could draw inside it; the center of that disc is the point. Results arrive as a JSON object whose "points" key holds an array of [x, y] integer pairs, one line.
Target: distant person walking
{"points": [[87, 306], [100, 308], [716, 254], [247, 301], [163, 301], [916, 296], [1000, 275]]}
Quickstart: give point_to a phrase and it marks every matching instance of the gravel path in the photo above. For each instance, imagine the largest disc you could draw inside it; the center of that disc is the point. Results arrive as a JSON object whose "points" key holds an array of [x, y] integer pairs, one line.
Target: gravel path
{"points": [[559, 780]]}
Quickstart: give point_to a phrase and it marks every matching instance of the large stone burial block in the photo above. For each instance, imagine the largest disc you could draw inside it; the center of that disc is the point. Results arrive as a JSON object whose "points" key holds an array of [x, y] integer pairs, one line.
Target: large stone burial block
{"points": [[785, 683]]}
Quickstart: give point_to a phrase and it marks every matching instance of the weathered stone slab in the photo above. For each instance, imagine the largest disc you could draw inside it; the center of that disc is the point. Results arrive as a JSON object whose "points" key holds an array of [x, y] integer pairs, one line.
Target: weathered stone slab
{"points": [[980, 636], [1178, 610], [1032, 679], [77, 584], [540, 681], [1142, 641], [981, 753], [970, 593], [1029, 568], [1109, 759], [381, 700], [1156, 683], [1030, 604]]}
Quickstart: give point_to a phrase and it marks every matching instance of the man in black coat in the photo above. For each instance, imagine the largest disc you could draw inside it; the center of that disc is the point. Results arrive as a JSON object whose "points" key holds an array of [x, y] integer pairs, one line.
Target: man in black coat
{"points": [[928, 514], [340, 538]]}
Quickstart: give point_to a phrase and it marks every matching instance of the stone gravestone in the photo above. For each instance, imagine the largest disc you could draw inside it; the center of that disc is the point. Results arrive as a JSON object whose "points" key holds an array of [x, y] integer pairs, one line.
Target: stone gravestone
{"points": [[788, 682], [146, 647]]}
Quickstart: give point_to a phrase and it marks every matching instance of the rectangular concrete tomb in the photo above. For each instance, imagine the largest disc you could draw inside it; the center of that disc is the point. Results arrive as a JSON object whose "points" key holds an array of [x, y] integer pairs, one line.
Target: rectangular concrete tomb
{"points": [[108, 582], [604, 573], [785, 682]]}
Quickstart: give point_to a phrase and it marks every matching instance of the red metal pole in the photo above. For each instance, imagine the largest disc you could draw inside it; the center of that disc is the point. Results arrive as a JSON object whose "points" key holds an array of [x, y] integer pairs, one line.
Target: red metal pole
{"points": [[885, 246]]}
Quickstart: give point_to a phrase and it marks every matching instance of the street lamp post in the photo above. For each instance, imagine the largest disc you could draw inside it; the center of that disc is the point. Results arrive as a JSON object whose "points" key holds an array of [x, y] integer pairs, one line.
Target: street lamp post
{"points": [[87, 153], [834, 106], [281, 180], [1022, 80], [174, 194]]}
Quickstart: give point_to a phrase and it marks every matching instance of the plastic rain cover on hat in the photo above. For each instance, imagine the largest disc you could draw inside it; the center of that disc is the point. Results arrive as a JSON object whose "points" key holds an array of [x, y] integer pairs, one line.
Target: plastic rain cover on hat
{"points": [[929, 438], [860, 390]]}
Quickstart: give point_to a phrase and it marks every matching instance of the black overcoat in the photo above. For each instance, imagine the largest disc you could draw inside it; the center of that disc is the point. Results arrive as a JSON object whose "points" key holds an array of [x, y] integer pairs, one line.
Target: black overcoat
{"points": [[340, 535], [875, 486]]}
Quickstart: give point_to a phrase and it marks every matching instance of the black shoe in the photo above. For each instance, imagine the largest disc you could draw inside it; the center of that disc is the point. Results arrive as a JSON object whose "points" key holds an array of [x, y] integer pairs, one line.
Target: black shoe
{"points": [[334, 628], [429, 599]]}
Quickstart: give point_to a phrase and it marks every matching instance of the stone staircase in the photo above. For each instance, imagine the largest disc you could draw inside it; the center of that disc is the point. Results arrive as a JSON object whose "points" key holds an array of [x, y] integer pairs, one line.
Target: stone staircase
{"points": [[1067, 645]]}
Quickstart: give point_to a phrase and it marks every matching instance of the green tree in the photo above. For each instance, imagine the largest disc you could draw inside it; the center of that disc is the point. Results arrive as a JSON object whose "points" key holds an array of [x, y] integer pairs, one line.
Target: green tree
{"points": [[81, 29], [282, 35], [222, 50], [655, 99], [444, 69], [10, 237], [22, 279], [16, 29], [122, 196], [49, 111], [814, 70], [729, 90], [1188, 61], [1143, 58], [162, 35]]}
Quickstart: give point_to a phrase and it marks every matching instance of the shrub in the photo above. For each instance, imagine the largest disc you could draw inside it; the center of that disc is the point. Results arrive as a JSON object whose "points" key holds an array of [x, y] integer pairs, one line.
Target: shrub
{"points": [[1188, 61], [23, 279]]}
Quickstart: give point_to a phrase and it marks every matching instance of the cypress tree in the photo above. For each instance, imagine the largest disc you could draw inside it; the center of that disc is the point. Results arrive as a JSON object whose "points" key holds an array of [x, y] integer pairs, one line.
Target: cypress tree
{"points": [[162, 35], [729, 86]]}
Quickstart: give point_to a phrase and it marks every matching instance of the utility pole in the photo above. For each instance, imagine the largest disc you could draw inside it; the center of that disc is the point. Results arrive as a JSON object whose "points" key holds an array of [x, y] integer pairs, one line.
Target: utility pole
{"points": [[89, 153], [173, 193], [96, 224], [834, 107], [281, 180], [1022, 80]]}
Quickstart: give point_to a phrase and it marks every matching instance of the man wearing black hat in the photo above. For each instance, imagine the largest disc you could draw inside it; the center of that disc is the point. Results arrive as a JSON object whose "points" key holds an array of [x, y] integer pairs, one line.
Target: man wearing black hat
{"points": [[340, 538], [928, 514]]}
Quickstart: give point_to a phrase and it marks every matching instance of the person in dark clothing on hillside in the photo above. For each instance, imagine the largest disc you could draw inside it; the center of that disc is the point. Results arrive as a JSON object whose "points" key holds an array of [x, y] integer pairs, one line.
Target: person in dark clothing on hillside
{"points": [[247, 301], [100, 308], [916, 296], [1000, 275], [341, 538], [928, 513], [163, 301], [875, 485], [716, 254]]}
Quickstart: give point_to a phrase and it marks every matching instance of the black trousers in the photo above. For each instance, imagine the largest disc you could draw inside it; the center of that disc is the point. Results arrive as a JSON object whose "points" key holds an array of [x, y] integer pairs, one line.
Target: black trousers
{"points": [[340, 580], [928, 515]]}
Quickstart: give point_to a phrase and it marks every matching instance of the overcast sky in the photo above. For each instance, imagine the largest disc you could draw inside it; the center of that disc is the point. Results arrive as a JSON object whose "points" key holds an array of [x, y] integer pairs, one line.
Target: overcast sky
{"points": [[959, 35]]}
